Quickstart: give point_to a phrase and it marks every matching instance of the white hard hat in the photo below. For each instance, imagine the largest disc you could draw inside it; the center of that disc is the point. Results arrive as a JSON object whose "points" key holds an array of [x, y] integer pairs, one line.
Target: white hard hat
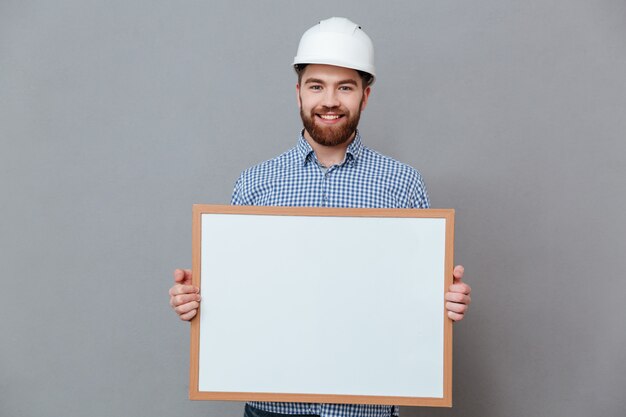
{"points": [[337, 41]]}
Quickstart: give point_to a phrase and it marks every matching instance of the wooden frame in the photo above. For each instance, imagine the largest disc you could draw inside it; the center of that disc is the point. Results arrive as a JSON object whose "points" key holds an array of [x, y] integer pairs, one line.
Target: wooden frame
{"points": [[442, 323]]}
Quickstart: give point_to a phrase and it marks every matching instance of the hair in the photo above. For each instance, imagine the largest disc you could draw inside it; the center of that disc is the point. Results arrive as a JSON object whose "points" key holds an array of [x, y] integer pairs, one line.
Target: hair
{"points": [[366, 78]]}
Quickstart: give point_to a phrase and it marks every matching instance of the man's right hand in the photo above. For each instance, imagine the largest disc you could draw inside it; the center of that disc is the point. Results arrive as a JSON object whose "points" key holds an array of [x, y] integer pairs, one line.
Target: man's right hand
{"points": [[184, 297]]}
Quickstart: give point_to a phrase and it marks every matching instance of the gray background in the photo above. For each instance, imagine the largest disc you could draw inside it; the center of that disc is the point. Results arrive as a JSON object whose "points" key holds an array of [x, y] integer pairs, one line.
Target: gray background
{"points": [[115, 117]]}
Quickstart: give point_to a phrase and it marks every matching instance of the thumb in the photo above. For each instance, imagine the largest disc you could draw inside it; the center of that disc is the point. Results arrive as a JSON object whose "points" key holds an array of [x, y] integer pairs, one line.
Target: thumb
{"points": [[457, 274], [182, 276]]}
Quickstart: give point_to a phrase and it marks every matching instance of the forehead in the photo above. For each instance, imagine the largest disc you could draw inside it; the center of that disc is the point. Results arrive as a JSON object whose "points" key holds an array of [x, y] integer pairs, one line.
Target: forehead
{"points": [[329, 73]]}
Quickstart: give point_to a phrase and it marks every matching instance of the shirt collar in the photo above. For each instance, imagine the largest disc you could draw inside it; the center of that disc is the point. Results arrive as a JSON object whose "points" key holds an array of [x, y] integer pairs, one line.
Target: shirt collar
{"points": [[306, 151]]}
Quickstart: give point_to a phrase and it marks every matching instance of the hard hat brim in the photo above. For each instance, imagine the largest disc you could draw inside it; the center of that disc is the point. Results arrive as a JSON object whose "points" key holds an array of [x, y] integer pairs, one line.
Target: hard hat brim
{"points": [[334, 62]]}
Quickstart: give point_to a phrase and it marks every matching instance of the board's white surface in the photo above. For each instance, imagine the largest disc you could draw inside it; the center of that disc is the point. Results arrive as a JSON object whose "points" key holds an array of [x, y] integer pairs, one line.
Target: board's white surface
{"points": [[322, 305]]}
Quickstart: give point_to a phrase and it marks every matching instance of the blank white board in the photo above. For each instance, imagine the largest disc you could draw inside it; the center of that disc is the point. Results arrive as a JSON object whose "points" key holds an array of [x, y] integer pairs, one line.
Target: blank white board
{"points": [[321, 305]]}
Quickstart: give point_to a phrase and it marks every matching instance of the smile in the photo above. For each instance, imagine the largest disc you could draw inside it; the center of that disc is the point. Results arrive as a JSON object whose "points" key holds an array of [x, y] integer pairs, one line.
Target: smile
{"points": [[330, 118]]}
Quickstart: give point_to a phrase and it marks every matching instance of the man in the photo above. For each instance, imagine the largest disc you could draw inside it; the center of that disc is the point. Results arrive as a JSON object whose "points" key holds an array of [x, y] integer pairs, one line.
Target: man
{"points": [[329, 167]]}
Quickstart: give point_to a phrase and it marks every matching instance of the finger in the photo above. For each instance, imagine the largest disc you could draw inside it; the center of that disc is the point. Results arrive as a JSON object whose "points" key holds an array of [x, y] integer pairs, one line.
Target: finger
{"points": [[458, 272], [188, 316], [456, 307], [457, 297], [183, 289], [179, 275], [178, 300], [186, 308], [455, 316], [182, 276], [462, 288]]}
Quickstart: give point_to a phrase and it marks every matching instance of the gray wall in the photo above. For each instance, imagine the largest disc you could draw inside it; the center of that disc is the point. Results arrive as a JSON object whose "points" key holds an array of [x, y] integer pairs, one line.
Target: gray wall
{"points": [[115, 117]]}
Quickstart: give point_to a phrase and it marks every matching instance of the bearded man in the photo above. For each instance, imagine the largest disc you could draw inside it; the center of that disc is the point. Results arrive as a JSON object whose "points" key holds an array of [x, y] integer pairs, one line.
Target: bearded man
{"points": [[329, 167]]}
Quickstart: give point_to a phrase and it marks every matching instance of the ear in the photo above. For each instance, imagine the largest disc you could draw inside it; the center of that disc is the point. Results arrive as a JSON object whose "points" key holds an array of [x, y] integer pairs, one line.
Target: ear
{"points": [[298, 96], [366, 95]]}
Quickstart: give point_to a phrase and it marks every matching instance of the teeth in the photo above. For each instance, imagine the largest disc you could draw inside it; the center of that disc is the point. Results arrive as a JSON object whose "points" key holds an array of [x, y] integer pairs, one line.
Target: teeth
{"points": [[329, 116]]}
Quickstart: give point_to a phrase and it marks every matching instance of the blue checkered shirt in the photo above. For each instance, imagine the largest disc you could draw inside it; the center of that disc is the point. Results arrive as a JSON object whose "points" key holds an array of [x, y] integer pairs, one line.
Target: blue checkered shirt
{"points": [[364, 179]]}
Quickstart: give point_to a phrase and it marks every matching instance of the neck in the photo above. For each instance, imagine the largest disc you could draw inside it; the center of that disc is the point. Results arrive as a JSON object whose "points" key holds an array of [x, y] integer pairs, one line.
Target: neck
{"points": [[329, 155]]}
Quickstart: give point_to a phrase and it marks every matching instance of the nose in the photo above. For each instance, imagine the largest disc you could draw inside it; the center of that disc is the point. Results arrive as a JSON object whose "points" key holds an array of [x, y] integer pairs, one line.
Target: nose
{"points": [[330, 98]]}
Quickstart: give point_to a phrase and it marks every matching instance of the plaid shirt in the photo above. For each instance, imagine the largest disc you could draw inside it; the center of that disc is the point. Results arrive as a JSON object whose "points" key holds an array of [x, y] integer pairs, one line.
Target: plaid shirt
{"points": [[364, 179]]}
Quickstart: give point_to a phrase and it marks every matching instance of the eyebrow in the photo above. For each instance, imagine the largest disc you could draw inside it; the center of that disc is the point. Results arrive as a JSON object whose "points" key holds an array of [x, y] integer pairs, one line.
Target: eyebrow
{"points": [[318, 81]]}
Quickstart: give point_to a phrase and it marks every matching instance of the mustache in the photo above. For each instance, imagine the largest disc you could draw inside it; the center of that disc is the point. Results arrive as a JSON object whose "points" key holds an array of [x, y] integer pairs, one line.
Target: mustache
{"points": [[325, 109]]}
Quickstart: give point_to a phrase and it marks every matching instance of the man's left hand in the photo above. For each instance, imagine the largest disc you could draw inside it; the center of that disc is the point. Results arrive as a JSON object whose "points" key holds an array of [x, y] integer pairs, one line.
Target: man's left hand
{"points": [[458, 296]]}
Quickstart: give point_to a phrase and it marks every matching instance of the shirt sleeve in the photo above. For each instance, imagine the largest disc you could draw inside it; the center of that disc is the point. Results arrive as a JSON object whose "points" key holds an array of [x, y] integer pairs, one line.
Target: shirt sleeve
{"points": [[419, 195], [238, 198]]}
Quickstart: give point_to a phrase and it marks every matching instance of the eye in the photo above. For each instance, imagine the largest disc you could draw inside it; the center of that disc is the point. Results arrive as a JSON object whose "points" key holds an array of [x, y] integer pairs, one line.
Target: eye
{"points": [[345, 88], [315, 87]]}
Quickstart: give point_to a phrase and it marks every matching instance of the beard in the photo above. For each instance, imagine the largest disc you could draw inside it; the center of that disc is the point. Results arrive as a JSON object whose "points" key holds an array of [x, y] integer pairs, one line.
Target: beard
{"points": [[330, 135]]}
